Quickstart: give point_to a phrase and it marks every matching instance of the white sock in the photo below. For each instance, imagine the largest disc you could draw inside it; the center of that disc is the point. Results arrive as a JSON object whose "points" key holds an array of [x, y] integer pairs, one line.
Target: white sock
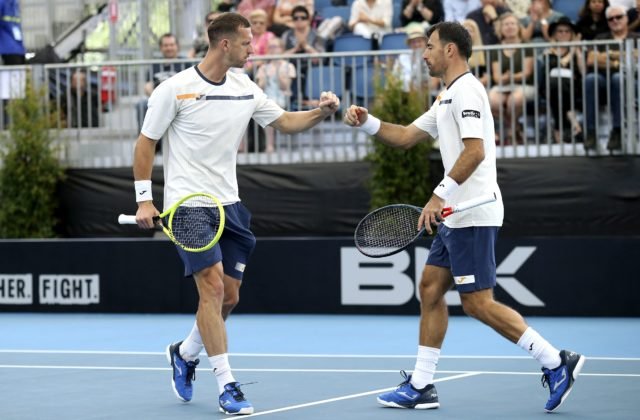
{"points": [[426, 363], [192, 345], [222, 370], [540, 349]]}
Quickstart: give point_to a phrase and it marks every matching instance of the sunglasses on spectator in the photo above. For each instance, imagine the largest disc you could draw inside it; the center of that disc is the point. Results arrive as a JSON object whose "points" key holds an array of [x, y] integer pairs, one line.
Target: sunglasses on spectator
{"points": [[616, 17], [299, 17]]}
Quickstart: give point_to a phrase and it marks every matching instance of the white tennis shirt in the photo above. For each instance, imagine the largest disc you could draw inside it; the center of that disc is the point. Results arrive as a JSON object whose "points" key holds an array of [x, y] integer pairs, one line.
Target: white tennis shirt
{"points": [[204, 124], [463, 111]]}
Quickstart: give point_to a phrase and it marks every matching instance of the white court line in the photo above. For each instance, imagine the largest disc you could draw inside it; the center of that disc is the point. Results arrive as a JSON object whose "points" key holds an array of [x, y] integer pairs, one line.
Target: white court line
{"points": [[301, 355], [279, 370], [348, 397]]}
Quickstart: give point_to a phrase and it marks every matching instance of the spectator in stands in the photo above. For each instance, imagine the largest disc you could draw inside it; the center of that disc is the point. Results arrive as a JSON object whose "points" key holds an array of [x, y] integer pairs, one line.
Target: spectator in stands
{"points": [[592, 20], [487, 18], [536, 24], [511, 71], [520, 8], [161, 71], [598, 60], [478, 59], [411, 68], [371, 18], [427, 12], [274, 78], [261, 37], [565, 66], [282, 14], [458, 10], [245, 7], [634, 17], [302, 39], [201, 43], [79, 108], [12, 49]]}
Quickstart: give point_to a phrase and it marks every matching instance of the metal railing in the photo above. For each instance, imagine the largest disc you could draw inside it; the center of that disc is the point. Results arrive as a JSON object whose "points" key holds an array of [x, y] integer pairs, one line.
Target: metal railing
{"points": [[97, 125]]}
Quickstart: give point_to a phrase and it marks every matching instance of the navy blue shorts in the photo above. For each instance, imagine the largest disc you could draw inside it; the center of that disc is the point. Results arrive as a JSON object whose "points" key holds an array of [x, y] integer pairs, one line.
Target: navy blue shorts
{"points": [[234, 247], [469, 253]]}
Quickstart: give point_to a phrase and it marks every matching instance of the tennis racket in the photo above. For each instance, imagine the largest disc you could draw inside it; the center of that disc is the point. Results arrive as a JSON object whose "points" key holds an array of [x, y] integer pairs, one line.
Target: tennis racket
{"points": [[195, 223], [390, 229]]}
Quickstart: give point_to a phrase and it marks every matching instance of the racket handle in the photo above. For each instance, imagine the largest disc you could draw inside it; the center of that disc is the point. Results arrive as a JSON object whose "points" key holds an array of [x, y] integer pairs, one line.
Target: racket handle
{"points": [[465, 205], [125, 219]]}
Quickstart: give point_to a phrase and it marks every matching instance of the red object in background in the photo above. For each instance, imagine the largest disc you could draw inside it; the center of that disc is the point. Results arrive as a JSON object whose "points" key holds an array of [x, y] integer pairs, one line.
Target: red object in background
{"points": [[113, 11], [108, 86]]}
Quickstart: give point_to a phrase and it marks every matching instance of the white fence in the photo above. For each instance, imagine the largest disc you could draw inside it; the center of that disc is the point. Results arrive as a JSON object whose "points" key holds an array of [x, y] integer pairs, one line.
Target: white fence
{"points": [[98, 128]]}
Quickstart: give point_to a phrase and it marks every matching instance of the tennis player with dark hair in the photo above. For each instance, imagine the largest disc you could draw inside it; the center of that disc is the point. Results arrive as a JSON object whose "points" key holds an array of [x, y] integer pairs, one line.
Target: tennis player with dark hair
{"points": [[463, 251], [204, 111]]}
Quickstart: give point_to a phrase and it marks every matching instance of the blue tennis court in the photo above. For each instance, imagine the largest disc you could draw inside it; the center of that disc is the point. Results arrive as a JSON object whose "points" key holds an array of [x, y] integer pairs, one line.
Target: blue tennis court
{"points": [[64, 366]]}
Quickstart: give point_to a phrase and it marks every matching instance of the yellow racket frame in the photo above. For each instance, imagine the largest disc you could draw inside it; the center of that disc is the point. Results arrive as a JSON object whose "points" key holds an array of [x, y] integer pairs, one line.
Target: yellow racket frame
{"points": [[171, 212]]}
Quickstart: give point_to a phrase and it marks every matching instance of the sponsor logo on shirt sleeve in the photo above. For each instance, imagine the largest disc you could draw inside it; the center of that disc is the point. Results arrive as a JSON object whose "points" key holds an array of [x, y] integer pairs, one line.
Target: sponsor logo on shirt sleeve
{"points": [[470, 113]]}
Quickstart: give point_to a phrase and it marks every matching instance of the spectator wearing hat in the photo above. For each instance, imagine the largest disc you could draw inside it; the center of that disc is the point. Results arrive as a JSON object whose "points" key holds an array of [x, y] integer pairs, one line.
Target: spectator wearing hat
{"points": [[564, 67], [411, 67]]}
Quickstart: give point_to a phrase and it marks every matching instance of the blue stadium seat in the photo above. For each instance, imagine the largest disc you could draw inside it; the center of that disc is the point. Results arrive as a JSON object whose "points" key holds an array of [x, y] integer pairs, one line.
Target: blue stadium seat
{"points": [[321, 4], [364, 85], [343, 11], [394, 41], [323, 78], [352, 42], [569, 8]]}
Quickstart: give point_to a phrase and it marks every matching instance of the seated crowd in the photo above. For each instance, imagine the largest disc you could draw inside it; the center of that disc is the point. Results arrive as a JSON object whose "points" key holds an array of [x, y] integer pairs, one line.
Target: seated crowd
{"points": [[515, 77]]}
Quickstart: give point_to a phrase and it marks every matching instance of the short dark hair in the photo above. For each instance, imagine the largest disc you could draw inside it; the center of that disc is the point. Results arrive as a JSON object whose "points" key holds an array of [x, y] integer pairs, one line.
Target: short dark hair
{"points": [[300, 9], [456, 33], [226, 25], [167, 35]]}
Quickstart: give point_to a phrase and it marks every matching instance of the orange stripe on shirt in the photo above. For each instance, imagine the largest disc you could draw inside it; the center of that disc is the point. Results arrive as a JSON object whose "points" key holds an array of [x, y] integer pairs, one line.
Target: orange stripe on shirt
{"points": [[188, 96]]}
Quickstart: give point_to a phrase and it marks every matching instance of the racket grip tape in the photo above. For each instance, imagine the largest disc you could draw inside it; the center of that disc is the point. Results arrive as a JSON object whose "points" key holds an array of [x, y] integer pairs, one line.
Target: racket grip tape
{"points": [[125, 219]]}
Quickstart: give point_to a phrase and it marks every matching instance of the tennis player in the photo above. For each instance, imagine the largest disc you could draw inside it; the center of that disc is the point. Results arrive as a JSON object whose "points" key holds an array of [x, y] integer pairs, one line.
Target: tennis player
{"points": [[204, 112], [463, 251]]}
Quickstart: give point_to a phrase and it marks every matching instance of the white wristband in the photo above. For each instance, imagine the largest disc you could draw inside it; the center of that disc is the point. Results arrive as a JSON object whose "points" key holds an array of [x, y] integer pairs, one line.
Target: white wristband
{"points": [[371, 126], [446, 188], [143, 191]]}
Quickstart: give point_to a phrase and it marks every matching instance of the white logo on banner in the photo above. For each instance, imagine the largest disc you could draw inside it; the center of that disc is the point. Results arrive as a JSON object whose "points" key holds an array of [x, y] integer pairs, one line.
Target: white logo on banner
{"points": [[383, 281], [16, 289], [69, 289]]}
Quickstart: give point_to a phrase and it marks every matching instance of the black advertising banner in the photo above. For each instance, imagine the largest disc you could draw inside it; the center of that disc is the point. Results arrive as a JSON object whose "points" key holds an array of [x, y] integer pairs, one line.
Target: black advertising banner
{"points": [[586, 276], [542, 196]]}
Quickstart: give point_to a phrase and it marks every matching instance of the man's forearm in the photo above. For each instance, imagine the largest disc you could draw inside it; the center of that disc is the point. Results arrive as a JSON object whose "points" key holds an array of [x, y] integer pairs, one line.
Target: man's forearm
{"points": [[298, 121], [143, 156]]}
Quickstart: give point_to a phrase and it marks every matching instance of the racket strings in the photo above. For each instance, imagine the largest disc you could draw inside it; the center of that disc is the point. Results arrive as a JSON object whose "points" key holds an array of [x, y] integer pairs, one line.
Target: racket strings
{"points": [[389, 228], [195, 223]]}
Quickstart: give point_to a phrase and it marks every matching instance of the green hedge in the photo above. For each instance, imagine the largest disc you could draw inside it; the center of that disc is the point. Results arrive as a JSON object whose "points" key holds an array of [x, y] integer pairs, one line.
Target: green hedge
{"points": [[29, 170], [399, 176]]}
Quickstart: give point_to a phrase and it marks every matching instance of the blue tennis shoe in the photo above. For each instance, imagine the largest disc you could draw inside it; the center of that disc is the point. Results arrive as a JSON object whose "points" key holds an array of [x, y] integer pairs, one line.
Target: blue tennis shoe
{"points": [[184, 372], [560, 380], [232, 400], [406, 396]]}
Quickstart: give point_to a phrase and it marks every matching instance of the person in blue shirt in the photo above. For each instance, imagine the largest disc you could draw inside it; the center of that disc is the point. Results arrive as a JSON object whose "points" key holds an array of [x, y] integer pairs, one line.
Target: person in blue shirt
{"points": [[11, 46]]}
